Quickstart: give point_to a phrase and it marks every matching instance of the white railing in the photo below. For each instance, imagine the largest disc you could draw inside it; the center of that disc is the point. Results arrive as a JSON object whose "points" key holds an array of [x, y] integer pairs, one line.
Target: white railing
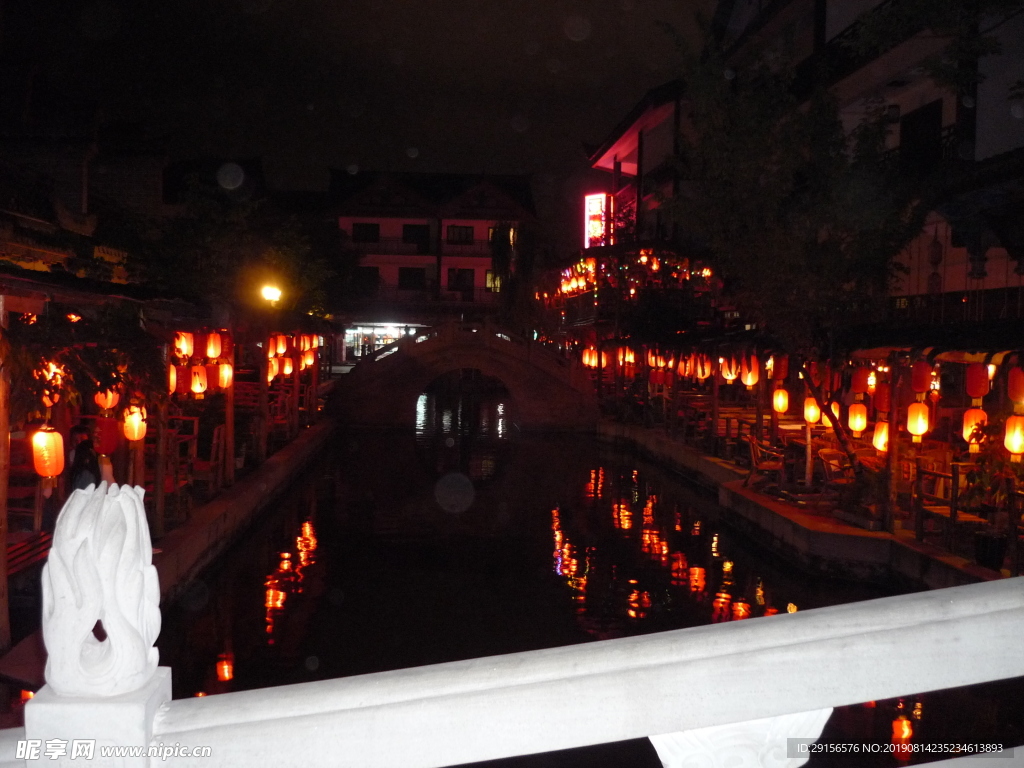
{"points": [[738, 691]]}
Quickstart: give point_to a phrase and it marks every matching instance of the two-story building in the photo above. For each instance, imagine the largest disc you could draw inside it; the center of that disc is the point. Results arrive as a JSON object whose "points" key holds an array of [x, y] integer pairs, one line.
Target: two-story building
{"points": [[967, 264], [429, 246]]}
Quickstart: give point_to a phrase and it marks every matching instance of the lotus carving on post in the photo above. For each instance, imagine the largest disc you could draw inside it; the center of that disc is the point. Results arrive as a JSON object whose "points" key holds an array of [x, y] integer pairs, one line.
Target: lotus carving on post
{"points": [[100, 575]]}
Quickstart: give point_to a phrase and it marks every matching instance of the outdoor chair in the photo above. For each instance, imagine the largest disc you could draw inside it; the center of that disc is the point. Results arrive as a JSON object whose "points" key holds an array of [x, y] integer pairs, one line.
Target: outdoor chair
{"points": [[836, 471], [764, 461]]}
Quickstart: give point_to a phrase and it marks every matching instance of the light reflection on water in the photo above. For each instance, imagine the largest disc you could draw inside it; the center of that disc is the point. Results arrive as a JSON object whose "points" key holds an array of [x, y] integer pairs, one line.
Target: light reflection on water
{"points": [[563, 543]]}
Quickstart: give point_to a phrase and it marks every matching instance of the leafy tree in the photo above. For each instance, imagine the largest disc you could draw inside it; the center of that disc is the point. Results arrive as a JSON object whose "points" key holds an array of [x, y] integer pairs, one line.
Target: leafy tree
{"points": [[220, 249]]}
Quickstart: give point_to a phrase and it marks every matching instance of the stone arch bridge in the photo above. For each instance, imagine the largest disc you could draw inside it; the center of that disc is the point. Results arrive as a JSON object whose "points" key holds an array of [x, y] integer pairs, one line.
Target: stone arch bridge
{"points": [[549, 392]]}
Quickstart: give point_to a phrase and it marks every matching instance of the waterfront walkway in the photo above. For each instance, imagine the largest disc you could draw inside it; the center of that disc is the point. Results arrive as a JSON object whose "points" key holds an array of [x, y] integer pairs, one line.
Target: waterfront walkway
{"points": [[820, 543], [184, 552]]}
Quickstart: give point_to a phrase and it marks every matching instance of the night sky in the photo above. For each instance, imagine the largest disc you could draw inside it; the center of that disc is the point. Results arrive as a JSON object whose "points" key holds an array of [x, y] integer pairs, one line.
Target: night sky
{"points": [[499, 86]]}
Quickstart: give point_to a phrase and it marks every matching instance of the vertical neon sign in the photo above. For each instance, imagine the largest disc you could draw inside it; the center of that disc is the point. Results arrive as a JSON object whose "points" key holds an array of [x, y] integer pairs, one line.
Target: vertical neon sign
{"points": [[595, 224]]}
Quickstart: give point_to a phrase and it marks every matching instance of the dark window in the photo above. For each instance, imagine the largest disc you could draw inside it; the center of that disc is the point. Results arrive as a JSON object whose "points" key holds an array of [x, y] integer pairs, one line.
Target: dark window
{"points": [[412, 278], [457, 234], [460, 279], [366, 233], [418, 235]]}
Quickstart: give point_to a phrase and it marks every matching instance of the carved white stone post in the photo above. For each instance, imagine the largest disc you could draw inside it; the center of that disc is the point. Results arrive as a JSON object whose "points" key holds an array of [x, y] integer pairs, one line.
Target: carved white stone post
{"points": [[753, 744], [102, 686]]}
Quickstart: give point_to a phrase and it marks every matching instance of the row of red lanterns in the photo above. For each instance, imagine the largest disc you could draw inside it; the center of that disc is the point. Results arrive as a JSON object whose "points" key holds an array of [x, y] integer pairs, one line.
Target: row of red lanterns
{"points": [[48, 443]]}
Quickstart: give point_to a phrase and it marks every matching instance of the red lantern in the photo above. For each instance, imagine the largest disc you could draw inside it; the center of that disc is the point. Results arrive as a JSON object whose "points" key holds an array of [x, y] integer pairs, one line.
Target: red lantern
{"points": [[199, 381], [883, 397], [273, 367], [881, 437], [780, 369], [974, 417], [225, 375], [857, 418], [106, 399], [282, 344], [106, 435], [183, 344], [1015, 386], [213, 345], [703, 367], [812, 413], [135, 423], [780, 400], [977, 382], [921, 376], [730, 370], [48, 452], [287, 366], [917, 420], [750, 371], [859, 381], [172, 379], [1013, 439], [309, 357]]}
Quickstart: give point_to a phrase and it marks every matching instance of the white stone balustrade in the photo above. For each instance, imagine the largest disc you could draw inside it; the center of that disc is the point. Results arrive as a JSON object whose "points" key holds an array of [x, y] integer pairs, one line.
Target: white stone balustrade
{"points": [[728, 694]]}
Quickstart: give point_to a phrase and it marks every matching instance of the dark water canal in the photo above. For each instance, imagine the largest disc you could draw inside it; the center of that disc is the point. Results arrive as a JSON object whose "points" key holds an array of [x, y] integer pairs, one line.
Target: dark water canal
{"points": [[469, 539]]}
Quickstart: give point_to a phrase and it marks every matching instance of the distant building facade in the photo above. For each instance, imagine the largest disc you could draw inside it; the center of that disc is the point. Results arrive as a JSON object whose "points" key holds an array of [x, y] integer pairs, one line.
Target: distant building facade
{"points": [[426, 247]]}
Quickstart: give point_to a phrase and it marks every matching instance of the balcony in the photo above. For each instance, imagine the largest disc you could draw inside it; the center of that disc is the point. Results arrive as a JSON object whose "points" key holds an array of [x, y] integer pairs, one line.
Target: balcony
{"points": [[396, 246]]}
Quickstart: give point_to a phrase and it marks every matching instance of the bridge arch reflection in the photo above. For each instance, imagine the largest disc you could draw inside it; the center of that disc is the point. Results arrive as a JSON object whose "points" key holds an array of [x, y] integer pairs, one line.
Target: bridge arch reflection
{"points": [[465, 422]]}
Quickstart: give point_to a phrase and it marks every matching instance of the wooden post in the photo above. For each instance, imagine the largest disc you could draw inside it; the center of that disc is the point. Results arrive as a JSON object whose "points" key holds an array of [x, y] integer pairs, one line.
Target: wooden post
{"points": [[715, 393], [293, 410], [5, 476], [892, 455], [311, 407], [262, 411], [160, 472], [229, 424]]}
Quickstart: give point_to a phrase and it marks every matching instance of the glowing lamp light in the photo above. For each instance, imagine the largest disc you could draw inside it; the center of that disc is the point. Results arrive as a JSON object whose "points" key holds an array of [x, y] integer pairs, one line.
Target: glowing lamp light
{"points": [[213, 345], [225, 667], [271, 293], [697, 579], [857, 419], [314, 341], [749, 371], [282, 344], [780, 401], [730, 370], [106, 399], [703, 368], [881, 437], [48, 452], [225, 375], [812, 413], [740, 610], [902, 733], [309, 357], [1013, 438], [135, 423], [917, 420], [872, 383], [172, 379], [272, 369], [183, 344], [199, 381], [287, 366], [974, 417], [834, 405]]}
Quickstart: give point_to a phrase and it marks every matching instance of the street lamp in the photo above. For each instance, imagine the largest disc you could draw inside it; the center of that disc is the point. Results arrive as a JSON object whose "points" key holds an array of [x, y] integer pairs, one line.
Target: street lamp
{"points": [[271, 293]]}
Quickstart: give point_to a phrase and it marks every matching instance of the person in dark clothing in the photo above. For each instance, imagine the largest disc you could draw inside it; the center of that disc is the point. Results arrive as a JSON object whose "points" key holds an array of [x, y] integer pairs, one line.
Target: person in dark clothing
{"points": [[85, 465]]}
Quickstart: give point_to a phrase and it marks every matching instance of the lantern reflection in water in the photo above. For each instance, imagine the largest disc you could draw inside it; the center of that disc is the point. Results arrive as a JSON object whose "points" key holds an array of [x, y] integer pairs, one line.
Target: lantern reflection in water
{"points": [[226, 667], [698, 580], [902, 733]]}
